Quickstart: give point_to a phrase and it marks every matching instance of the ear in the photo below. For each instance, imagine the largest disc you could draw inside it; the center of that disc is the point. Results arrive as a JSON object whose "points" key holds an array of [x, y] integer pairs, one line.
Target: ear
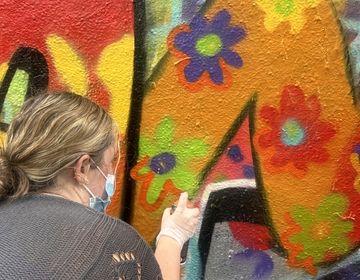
{"points": [[81, 169]]}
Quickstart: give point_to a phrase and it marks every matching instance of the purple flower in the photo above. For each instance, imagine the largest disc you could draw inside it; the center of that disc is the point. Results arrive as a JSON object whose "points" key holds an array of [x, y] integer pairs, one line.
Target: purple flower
{"points": [[208, 42]]}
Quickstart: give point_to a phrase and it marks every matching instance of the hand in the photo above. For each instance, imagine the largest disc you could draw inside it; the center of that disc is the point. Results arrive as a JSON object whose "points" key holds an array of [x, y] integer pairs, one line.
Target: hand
{"points": [[180, 225]]}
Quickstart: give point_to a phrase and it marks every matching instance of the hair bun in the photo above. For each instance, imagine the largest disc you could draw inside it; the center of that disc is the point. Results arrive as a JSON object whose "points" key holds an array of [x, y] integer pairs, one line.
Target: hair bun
{"points": [[13, 180], [5, 174]]}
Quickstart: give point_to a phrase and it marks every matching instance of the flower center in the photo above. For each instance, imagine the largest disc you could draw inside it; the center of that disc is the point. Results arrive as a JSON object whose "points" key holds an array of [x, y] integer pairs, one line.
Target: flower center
{"points": [[163, 163], [284, 7], [321, 230], [292, 134], [234, 153], [209, 45]]}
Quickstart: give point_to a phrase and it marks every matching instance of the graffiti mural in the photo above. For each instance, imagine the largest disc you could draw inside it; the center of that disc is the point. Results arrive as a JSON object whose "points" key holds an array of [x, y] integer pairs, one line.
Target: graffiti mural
{"points": [[250, 106], [270, 88]]}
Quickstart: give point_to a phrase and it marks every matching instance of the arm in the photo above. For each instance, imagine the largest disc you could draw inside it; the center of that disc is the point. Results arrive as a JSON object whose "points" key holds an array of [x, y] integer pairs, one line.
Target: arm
{"points": [[176, 229], [167, 254]]}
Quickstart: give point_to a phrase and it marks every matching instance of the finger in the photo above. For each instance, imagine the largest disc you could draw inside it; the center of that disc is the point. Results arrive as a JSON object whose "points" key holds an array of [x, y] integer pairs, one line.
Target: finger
{"points": [[166, 212], [182, 202], [192, 212], [194, 224], [190, 204], [172, 209], [195, 212]]}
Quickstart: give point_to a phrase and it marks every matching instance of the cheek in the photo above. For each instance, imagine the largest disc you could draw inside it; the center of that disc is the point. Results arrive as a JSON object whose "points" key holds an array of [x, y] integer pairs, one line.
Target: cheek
{"points": [[97, 183]]}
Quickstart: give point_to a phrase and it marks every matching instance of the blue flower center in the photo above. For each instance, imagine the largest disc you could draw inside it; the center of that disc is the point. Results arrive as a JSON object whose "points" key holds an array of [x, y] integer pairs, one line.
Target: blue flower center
{"points": [[163, 163], [209, 45], [292, 133], [234, 153], [356, 149]]}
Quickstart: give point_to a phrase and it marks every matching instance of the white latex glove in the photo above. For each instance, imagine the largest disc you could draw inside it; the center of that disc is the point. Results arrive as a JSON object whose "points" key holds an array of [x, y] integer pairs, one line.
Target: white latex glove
{"points": [[180, 225]]}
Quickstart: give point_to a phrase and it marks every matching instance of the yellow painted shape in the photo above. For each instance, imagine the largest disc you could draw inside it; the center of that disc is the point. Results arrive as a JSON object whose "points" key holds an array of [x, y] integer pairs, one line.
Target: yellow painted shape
{"points": [[115, 69], [295, 16], [3, 69], [68, 64]]}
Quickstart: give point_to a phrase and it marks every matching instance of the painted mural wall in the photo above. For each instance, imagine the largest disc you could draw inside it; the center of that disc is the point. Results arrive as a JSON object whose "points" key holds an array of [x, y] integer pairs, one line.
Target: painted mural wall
{"points": [[251, 106]]}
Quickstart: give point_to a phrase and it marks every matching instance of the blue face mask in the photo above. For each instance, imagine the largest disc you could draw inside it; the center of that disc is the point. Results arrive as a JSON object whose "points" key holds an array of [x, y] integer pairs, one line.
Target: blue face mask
{"points": [[98, 203]]}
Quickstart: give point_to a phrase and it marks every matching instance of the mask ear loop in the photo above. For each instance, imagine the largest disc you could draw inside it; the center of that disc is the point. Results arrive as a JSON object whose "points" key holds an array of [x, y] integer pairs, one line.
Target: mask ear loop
{"points": [[106, 177], [118, 158], [98, 168], [90, 192], [116, 166]]}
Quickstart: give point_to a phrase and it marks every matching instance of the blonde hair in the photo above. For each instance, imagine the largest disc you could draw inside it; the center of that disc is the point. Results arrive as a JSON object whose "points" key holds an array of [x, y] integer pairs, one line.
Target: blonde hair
{"points": [[50, 133]]}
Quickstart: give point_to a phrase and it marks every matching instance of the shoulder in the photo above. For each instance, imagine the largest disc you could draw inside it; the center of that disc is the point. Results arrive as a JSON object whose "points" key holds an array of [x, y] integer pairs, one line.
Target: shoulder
{"points": [[82, 241]]}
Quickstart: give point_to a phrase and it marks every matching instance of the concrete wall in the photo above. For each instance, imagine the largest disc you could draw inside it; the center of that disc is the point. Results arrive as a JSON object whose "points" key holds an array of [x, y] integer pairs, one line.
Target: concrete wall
{"points": [[249, 105]]}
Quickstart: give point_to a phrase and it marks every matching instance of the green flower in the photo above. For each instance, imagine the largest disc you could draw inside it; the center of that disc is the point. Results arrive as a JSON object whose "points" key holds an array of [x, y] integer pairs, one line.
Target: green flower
{"points": [[324, 230], [170, 159]]}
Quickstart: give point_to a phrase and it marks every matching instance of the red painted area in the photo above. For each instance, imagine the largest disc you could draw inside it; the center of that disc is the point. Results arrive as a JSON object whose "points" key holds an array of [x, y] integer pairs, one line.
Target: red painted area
{"points": [[345, 183], [252, 236], [227, 169], [97, 92], [294, 105], [88, 25]]}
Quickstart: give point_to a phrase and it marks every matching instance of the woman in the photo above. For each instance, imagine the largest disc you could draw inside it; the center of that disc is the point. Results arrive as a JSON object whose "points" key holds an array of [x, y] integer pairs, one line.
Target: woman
{"points": [[56, 177]]}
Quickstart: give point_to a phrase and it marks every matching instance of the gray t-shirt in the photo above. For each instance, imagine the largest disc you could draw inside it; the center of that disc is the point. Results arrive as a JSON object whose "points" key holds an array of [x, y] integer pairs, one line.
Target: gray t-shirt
{"points": [[47, 237]]}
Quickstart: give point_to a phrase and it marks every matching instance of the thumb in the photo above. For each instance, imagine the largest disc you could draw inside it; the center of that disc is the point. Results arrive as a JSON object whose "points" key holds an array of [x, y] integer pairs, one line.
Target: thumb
{"points": [[166, 213], [182, 202]]}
